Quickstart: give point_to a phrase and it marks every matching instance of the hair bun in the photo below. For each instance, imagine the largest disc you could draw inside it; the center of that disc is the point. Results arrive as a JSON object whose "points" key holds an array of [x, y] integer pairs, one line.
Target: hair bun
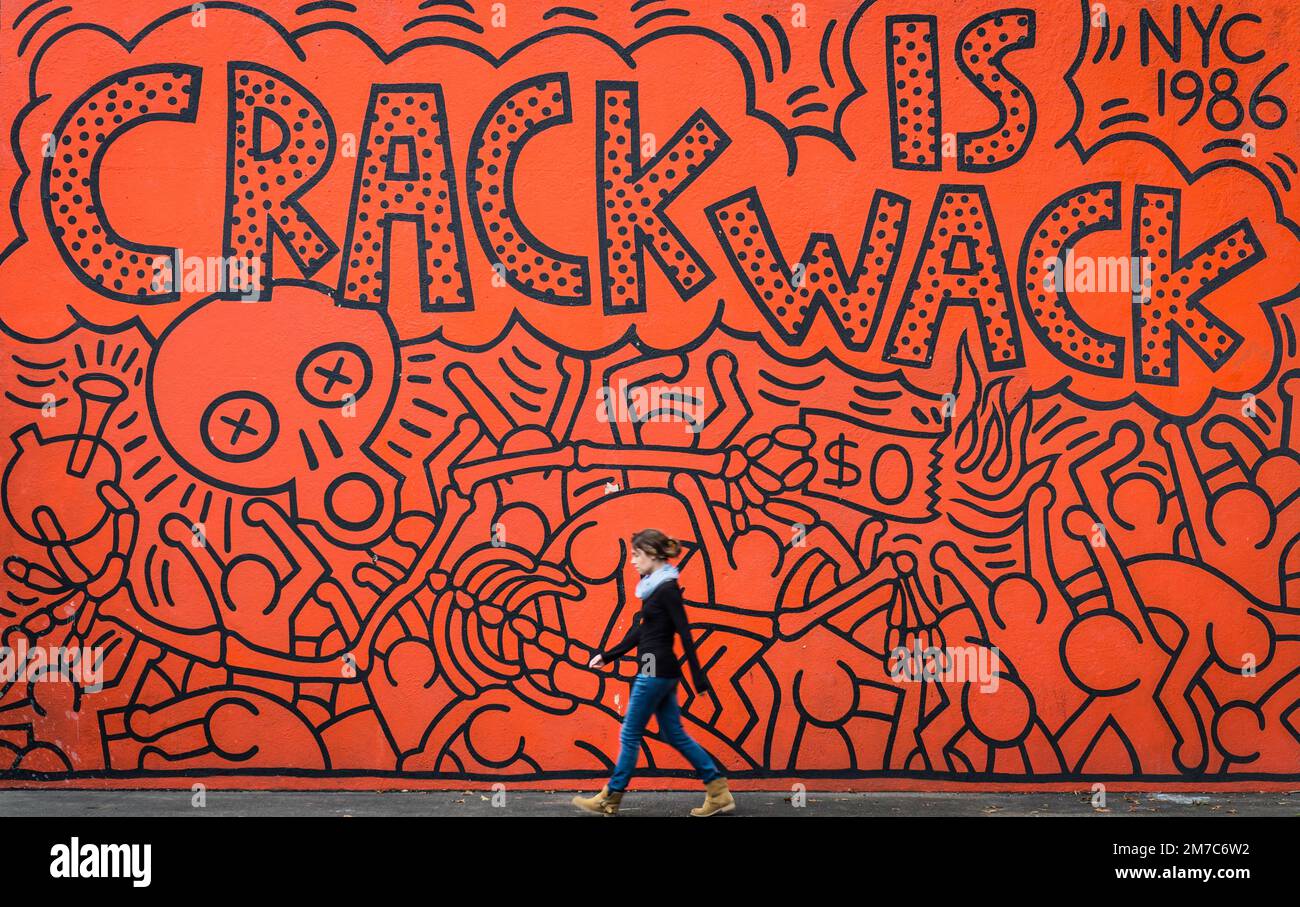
{"points": [[656, 543]]}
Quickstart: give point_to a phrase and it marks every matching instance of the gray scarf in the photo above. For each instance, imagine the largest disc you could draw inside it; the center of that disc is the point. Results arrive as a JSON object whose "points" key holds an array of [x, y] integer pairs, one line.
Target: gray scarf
{"points": [[652, 580]]}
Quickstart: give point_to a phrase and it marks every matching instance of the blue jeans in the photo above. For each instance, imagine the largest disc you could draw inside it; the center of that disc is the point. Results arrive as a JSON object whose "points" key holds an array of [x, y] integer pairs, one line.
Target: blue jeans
{"points": [[656, 696]]}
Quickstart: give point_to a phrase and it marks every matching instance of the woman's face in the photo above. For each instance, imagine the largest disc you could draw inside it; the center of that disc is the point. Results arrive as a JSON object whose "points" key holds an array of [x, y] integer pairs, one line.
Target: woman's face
{"points": [[643, 562]]}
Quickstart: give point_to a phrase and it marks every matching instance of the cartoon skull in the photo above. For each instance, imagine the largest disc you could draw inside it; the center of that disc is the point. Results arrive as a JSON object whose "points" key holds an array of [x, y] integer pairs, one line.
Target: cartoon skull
{"points": [[283, 395]]}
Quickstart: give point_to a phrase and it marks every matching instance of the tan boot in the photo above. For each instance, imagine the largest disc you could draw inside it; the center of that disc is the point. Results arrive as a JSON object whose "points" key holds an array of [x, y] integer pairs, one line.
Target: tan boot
{"points": [[717, 799], [605, 802]]}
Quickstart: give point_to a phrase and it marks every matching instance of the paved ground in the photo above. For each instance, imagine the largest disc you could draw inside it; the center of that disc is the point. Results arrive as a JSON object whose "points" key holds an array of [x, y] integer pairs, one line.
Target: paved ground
{"points": [[635, 803]]}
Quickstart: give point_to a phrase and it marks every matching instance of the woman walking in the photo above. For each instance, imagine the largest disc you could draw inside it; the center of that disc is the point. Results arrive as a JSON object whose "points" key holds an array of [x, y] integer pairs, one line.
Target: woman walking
{"points": [[654, 691]]}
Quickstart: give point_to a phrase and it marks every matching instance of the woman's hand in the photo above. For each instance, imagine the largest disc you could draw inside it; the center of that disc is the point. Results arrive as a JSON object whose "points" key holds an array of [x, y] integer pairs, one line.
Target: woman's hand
{"points": [[596, 661]]}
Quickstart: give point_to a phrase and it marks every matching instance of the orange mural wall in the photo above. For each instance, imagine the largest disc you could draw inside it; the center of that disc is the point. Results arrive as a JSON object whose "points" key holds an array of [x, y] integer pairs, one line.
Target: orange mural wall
{"points": [[346, 344]]}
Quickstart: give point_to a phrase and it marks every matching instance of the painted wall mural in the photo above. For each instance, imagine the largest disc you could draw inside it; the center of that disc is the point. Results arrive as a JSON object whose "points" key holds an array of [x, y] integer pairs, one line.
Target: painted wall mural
{"points": [[347, 343]]}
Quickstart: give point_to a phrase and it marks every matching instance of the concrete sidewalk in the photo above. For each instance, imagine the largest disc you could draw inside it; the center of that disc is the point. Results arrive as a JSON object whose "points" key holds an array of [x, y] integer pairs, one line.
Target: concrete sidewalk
{"points": [[64, 803]]}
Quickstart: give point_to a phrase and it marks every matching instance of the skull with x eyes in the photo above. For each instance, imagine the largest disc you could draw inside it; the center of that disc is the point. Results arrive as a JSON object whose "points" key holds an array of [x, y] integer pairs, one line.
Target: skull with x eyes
{"points": [[283, 395]]}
